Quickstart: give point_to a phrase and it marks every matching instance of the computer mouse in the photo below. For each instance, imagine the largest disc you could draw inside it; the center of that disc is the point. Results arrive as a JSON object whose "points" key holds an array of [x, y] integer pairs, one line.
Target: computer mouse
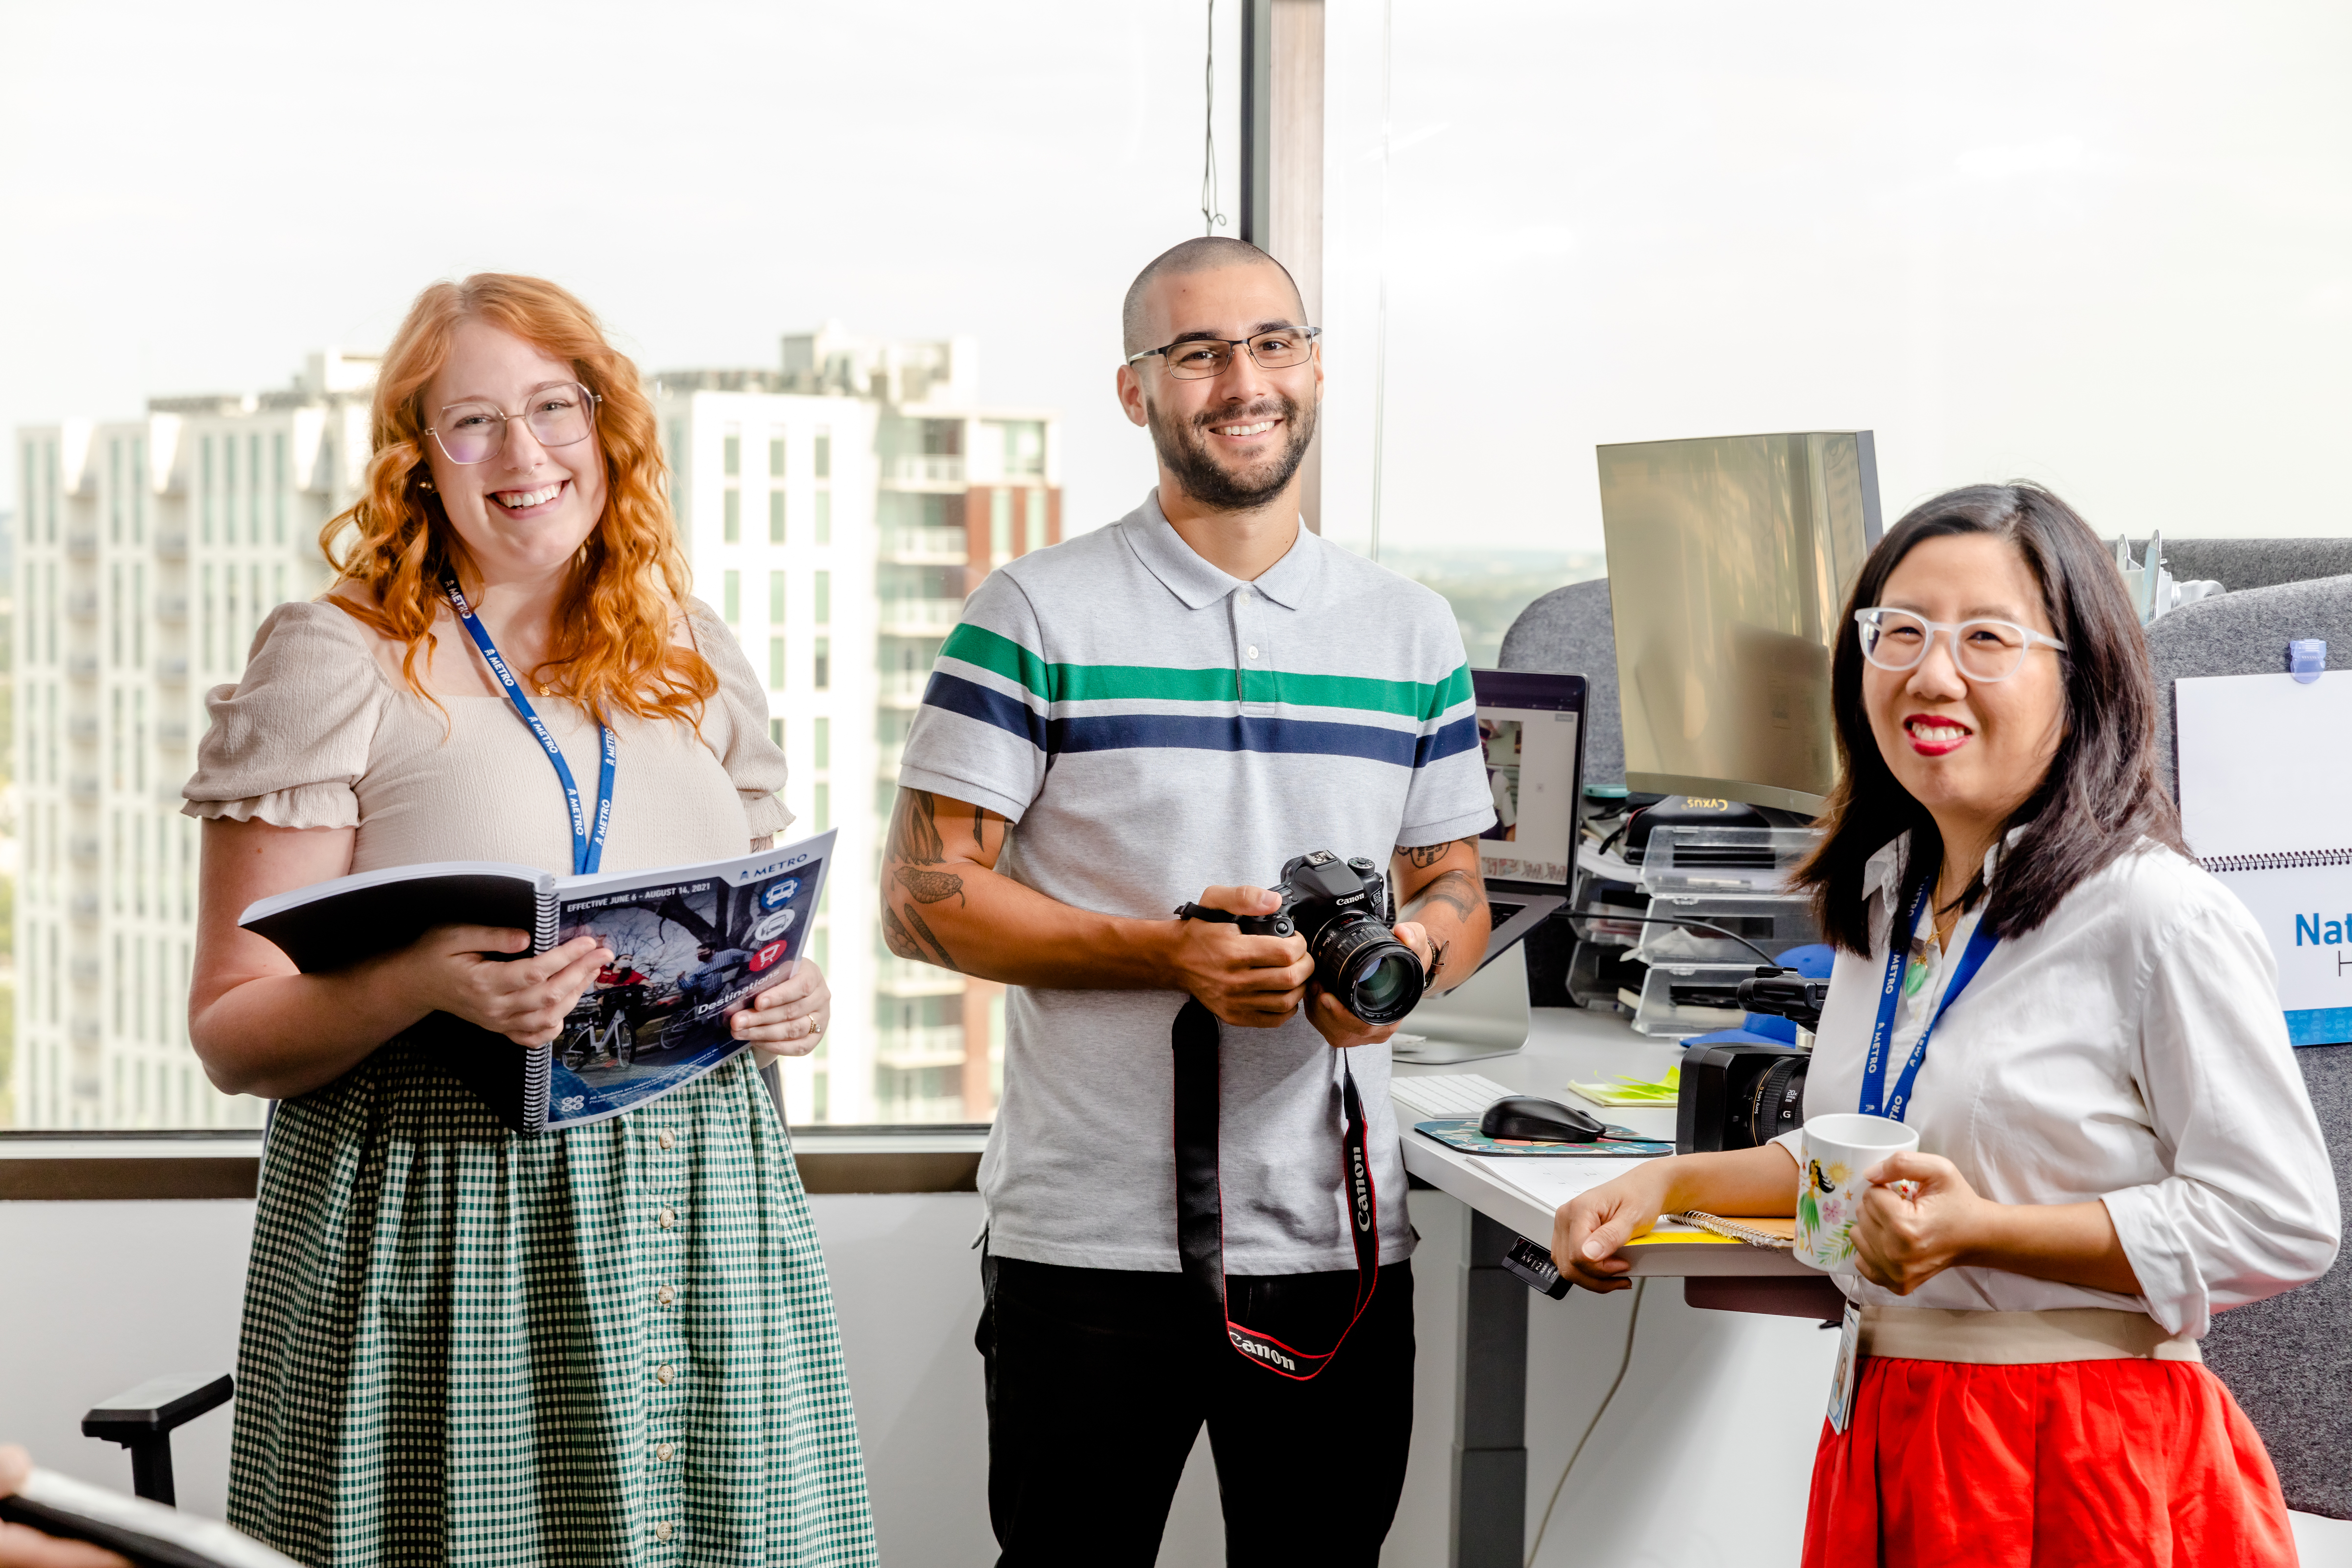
{"points": [[1540, 1120]]}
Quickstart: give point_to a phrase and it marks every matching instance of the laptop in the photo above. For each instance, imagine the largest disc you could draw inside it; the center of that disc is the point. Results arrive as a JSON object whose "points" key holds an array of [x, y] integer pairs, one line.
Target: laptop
{"points": [[1531, 734]]}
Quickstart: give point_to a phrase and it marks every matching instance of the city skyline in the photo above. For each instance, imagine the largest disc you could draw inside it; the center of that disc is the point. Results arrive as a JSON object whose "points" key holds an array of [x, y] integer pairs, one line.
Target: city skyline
{"points": [[834, 507]]}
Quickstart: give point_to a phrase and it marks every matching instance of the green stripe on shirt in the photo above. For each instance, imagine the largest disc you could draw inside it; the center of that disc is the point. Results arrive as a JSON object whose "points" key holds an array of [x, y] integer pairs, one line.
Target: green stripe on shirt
{"points": [[1003, 656]]}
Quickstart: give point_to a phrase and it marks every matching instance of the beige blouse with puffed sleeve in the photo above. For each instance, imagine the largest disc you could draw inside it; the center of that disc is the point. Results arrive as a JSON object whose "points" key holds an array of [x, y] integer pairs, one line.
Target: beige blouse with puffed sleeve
{"points": [[315, 733]]}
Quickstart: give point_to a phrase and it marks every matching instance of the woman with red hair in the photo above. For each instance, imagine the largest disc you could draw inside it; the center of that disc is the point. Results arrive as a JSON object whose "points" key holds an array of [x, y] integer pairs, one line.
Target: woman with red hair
{"points": [[615, 1343]]}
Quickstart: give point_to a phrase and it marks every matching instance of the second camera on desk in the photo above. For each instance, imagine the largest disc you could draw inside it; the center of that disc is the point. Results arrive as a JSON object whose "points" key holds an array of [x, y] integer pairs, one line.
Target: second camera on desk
{"points": [[1739, 1090]]}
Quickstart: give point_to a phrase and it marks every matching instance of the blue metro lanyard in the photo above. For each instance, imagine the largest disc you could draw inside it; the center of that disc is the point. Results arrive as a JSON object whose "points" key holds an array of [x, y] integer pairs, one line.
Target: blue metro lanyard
{"points": [[1874, 1099], [587, 840]]}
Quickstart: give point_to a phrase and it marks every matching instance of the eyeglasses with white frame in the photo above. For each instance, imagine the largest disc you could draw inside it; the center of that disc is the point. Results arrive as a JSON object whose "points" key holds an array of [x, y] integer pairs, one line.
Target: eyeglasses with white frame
{"points": [[1984, 650], [558, 413]]}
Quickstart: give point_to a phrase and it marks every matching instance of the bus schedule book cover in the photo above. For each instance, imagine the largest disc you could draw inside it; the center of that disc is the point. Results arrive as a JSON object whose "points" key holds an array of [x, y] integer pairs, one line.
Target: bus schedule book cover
{"points": [[691, 946]]}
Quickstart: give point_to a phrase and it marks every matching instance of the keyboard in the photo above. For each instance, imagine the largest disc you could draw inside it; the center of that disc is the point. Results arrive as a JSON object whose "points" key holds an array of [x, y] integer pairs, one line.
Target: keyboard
{"points": [[1501, 911], [1430, 1096]]}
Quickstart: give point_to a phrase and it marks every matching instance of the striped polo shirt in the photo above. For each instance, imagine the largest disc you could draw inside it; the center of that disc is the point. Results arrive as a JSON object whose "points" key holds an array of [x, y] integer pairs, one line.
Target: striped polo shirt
{"points": [[1153, 727]]}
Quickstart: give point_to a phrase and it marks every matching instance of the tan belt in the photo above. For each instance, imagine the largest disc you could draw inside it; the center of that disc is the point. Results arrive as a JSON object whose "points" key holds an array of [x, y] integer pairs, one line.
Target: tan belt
{"points": [[2019, 1339]]}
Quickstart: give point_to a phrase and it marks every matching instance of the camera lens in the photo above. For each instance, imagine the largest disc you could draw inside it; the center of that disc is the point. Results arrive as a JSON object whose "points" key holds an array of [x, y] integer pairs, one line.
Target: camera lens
{"points": [[1777, 1102], [1383, 982], [1375, 976]]}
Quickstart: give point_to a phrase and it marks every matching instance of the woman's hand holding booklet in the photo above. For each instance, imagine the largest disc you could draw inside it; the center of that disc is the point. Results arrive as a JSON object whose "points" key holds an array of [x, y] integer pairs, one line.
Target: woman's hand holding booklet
{"points": [[625, 985]]}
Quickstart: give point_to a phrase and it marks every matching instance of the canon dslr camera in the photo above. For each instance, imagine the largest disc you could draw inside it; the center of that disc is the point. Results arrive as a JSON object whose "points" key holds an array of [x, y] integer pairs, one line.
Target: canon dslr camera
{"points": [[1340, 907]]}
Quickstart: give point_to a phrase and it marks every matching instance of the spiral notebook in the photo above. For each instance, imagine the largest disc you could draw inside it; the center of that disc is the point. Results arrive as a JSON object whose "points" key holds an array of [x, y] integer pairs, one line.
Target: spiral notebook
{"points": [[2263, 761], [691, 946]]}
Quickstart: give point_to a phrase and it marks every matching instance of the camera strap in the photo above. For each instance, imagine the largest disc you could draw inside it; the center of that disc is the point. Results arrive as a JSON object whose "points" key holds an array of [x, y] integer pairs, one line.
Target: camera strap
{"points": [[1200, 1201], [1875, 1100]]}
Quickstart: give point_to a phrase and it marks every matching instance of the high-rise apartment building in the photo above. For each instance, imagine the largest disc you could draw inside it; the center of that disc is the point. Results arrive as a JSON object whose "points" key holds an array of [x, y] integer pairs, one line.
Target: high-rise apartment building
{"points": [[837, 510], [147, 552]]}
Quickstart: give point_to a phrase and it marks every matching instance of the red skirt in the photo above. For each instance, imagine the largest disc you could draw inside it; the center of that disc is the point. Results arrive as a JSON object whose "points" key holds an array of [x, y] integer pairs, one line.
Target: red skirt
{"points": [[2082, 1463]]}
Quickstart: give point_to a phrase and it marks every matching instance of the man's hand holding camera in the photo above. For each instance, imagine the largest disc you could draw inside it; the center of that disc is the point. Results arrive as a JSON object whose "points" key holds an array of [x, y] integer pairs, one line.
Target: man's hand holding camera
{"points": [[1341, 1027], [1250, 982]]}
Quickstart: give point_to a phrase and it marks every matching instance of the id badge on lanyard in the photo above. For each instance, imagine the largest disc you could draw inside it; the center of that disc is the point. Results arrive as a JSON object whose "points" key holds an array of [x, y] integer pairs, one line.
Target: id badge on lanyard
{"points": [[1875, 1099], [587, 831]]}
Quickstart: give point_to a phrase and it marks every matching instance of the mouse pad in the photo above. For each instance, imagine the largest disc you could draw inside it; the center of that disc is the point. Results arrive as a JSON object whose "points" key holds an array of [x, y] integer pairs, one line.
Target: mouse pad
{"points": [[1462, 1132]]}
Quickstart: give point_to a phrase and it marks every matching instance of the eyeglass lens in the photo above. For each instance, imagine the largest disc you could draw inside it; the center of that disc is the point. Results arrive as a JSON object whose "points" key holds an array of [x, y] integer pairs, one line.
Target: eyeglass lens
{"points": [[1278, 350], [474, 432], [1987, 650]]}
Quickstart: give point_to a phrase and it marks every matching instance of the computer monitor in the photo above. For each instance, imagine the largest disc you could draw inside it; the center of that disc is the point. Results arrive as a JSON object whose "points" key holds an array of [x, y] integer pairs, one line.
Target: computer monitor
{"points": [[1531, 736], [1729, 560]]}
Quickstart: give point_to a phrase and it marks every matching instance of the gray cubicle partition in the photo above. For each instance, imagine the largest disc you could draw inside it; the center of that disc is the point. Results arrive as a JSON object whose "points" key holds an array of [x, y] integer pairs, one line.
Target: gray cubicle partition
{"points": [[2288, 1361]]}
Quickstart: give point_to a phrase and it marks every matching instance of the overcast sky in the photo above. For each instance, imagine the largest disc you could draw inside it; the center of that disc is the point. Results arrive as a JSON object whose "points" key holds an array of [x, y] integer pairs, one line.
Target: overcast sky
{"points": [[2107, 246]]}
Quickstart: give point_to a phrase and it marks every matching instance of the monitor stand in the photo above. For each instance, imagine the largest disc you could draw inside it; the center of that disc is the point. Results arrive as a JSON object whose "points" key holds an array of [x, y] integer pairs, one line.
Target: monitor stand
{"points": [[1486, 1016]]}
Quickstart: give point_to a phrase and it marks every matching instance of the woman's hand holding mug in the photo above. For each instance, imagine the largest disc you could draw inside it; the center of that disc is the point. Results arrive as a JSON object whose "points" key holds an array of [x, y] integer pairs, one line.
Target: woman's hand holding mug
{"points": [[1919, 1218]]}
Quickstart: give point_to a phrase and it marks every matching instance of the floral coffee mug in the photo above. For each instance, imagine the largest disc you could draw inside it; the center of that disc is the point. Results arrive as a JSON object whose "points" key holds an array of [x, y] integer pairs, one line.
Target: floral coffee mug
{"points": [[1839, 1151]]}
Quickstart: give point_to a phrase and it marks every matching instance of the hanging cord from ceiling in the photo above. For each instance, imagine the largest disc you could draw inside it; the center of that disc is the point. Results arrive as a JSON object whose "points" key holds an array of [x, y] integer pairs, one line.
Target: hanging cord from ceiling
{"points": [[1381, 322], [1211, 218]]}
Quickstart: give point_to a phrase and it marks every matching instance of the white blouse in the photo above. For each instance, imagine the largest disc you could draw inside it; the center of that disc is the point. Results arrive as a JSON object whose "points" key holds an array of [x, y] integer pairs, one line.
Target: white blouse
{"points": [[2131, 1049]]}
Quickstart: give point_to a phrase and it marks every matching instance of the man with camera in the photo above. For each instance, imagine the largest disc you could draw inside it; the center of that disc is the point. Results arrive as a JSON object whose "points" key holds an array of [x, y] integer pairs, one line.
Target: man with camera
{"points": [[1203, 695]]}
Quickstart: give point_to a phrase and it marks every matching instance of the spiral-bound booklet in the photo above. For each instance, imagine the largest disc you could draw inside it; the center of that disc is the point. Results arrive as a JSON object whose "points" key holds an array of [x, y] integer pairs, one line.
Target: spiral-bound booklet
{"points": [[691, 946], [2263, 808]]}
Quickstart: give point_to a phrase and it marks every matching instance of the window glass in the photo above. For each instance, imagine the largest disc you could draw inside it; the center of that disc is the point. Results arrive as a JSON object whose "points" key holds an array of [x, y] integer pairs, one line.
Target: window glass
{"points": [[2012, 241], [884, 393]]}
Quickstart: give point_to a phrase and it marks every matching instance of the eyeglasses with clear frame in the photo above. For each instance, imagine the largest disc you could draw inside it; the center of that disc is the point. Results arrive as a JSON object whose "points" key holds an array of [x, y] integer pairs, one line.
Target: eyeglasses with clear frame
{"points": [[1984, 650], [1199, 359], [560, 413]]}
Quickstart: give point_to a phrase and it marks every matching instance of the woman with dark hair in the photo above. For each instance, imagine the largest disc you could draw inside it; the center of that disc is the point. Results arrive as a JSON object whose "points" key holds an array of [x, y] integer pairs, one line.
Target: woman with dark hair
{"points": [[2114, 1140]]}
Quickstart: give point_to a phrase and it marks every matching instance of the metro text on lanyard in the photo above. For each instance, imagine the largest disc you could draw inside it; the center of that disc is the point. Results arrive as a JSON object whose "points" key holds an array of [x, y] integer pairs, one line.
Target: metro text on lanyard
{"points": [[1875, 1101], [587, 833]]}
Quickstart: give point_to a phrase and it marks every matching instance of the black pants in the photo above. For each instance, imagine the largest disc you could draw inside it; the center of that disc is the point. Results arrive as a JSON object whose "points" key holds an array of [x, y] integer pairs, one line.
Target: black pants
{"points": [[1099, 1381]]}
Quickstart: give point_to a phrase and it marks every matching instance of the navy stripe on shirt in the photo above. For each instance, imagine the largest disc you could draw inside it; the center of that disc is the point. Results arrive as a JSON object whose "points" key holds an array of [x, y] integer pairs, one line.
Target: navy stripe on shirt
{"points": [[1199, 731], [973, 700]]}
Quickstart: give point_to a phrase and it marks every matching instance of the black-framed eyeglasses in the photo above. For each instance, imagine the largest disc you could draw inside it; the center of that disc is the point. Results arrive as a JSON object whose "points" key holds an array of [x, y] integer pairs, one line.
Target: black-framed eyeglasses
{"points": [[1198, 359], [558, 413]]}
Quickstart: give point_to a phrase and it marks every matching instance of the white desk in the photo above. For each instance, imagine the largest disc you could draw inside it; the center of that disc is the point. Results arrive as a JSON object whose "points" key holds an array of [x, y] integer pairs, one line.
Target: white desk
{"points": [[1490, 1457], [1592, 1048]]}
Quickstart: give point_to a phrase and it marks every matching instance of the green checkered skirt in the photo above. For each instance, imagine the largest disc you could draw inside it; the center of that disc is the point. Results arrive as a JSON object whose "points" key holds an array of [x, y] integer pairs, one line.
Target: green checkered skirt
{"points": [[614, 1346]]}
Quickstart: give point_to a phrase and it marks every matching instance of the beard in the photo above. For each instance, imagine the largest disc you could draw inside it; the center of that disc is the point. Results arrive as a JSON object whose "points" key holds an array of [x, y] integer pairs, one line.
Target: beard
{"points": [[1184, 448]]}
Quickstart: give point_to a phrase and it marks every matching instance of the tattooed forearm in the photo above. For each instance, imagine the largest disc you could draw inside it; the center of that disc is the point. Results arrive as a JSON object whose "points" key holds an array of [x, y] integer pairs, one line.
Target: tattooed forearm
{"points": [[898, 939], [930, 887], [914, 829], [944, 959], [1457, 891], [1424, 855]]}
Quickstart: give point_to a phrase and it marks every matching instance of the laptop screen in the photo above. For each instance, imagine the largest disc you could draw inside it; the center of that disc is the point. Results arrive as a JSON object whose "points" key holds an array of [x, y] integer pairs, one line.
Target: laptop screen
{"points": [[1531, 729]]}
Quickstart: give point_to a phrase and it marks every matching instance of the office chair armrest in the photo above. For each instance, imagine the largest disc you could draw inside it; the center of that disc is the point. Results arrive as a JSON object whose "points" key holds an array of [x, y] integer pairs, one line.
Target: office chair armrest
{"points": [[157, 1407]]}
